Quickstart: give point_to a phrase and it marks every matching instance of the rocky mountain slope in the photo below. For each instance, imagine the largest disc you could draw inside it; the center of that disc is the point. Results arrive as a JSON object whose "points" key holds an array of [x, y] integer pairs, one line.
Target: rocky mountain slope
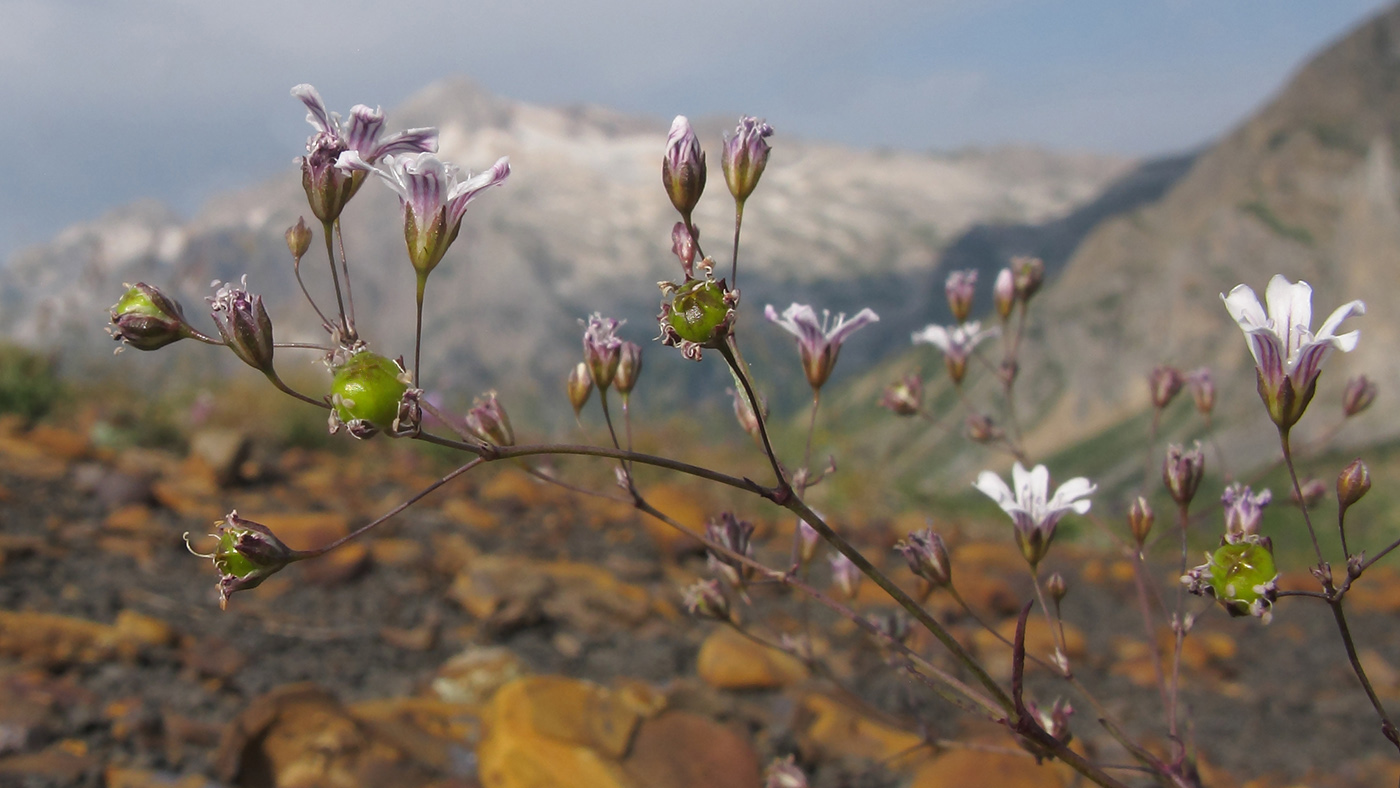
{"points": [[582, 225]]}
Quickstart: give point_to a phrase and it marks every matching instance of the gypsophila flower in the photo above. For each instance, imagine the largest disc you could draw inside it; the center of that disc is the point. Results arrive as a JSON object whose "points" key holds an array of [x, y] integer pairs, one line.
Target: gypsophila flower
{"points": [[1033, 511], [1287, 353], [745, 156], [1244, 511], [1164, 383], [956, 343], [434, 196], [328, 188], [960, 288], [818, 342], [602, 349], [1202, 386], [683, 167]]}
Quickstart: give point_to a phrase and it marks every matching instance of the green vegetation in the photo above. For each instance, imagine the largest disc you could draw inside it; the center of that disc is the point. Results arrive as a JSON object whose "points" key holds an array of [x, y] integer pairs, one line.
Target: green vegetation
{"points": [[1261, 211], [29, 384]]}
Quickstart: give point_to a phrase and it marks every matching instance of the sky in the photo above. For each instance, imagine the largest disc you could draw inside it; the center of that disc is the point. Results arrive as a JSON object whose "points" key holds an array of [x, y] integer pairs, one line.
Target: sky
{"points": [[103, 103]]}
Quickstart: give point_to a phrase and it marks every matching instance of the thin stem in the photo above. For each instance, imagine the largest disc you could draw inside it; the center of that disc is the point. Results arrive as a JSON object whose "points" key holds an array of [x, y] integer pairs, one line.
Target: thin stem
{"points": [[1298, 492], [623, 464], [415, 498], [1387, 727], [325, 321], [1056, 634], [1342, 529], [730, 350], [981, 622], [349, 295], [1149, 625], [328, 232], [1178, 627], [802, 481], [302, 345], [285, 389], [734, 261], [418, 332]]}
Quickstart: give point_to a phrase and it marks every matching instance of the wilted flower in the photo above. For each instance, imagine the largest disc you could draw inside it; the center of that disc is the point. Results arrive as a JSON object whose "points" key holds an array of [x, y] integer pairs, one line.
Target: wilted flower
{"points": [[1202, 390], [956, 343], [892, 623], [818, 342], [730, 532], [905, 398], [683, 167], [328, 188], [147, 319], [706, 599], [845, 575], [1056, 587], [745, 155], [602, 350], [683, 242], [629, 368], [1033, 511], [1244, 511], [1182, 472], [783, 773], [927, 557], [580, 387], [488, 421], [434, 196], [1358, 395], [243, 323], [247, 554], [1164, 383], [807, 540], [1004, 293], [960, 288], [1287, 353]]}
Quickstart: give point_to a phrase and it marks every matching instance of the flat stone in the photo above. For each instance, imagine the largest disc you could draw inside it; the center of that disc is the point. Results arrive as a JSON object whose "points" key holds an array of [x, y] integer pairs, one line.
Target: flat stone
{"points": [[728, 660], [959, 768], [48, 639], [567, 710], [678, 749], [474, 675], [684, 507], [833, 729], [224, 450], [467, 512]]}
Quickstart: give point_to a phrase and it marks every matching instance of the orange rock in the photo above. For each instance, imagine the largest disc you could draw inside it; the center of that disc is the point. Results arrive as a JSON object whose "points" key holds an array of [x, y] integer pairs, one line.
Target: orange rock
{"points": [[511, 759], [119, 777], [463, 511], [396, 552], [475, 674], [835, 730], [565, 710], [683, 750], [59, 442], [963, 767], [728, 660], [133, 518], [684, 507], [47, 639], [509, 486], [1040, 643], [304, 530]]}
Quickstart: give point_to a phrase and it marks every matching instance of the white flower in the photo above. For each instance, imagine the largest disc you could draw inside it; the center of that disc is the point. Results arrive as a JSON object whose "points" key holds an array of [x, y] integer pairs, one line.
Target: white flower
{"points": [[1034, 515], [956, 343], [817, 343], [1282, 340]]}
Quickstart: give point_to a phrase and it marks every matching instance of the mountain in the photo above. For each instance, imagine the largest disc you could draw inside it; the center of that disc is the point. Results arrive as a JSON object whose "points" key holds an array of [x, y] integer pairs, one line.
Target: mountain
{"points": [[582, 225]]}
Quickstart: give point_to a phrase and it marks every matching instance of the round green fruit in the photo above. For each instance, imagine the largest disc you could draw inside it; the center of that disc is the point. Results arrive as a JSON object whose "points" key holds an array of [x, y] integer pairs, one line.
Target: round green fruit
{"points": [[697, 311], [367, 388], [1240, 572]]}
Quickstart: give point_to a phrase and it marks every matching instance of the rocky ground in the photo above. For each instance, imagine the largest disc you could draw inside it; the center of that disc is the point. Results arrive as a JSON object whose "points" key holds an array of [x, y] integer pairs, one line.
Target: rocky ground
{"points": [[510, 634]]}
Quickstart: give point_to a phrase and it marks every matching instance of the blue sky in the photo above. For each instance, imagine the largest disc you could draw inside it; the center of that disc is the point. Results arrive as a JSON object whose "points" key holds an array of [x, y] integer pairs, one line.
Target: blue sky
{"points": [[108, 102]]}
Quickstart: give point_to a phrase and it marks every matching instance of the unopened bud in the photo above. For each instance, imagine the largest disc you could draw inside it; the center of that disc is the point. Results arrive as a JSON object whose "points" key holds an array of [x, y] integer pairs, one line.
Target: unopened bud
{"points": [[1056, 587], [147, 319], [1182, 472], [683, 167], [845, 575], [1004, 293], [298, 239], [1358, 396], [905, 398], [488, 421], [783, 773], [706, 599], [1313, 491], [580, 387], [1029, 275], [1164, 383], [735, 535], [1353, 483], [1140, 520], [629, 368], [745, 156], [927, 557], [365, 394], [961, 287], [744, 412], [1202, 390]]}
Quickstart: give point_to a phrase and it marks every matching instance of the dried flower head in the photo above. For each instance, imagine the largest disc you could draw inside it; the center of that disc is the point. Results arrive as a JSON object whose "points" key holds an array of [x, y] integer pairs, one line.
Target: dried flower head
{"points": [[1244, 511], [247, 553], [927, 557], [147, 319], [1358, 395], [1182, 472]]}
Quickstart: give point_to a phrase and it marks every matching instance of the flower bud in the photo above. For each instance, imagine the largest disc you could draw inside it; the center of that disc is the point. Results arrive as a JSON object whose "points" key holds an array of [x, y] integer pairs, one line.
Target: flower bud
{"points": [[601, 349], [243, 323], [247, 554], [488, 421], [1164, 383], [705, 599], [699, 315], [147, 319], [629, 368], [1056, 587], [1358, 396], [683, 244], [365, 394], [783, 773], [730, 532], [961, 287], [1029, 275], [580, 387], [1140, 520], [298, 239], [683, 167], [927, 557], [1182, 472], [1353, 483], [1313, 491], [744, 157], [845, 575], [1202, 390], [1004, 293], [744, 412], [905, 398]]}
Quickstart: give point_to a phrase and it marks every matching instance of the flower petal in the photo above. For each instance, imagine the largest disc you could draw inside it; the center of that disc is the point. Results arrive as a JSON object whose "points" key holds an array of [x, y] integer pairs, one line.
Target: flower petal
{"points": [[992, 486], [1334, 321], [933, 335], [845, 328], [316, 115], [1290, 309]]}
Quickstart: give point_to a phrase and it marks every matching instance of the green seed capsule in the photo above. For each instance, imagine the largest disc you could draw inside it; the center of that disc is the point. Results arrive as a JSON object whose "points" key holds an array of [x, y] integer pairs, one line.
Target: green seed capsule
{"points": [[367, 388]]}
